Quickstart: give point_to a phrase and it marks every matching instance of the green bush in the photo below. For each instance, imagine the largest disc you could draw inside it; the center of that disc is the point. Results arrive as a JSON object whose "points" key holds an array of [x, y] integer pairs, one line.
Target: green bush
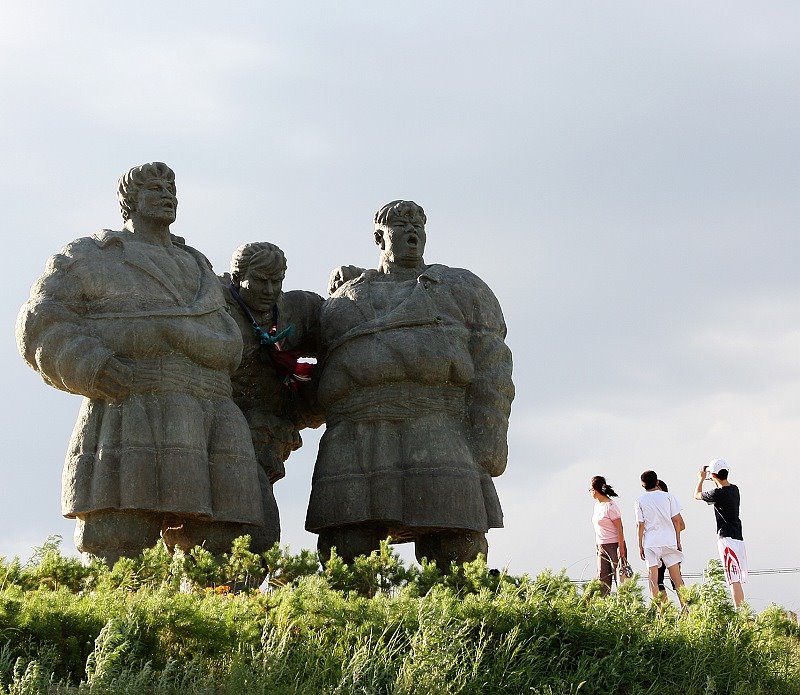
{"points": [[187, 623]]}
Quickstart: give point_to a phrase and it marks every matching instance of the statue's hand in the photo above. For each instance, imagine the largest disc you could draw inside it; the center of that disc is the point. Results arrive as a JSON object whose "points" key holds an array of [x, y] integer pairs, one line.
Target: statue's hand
{"points": [[341, 275], [490, 449], [114, 380]]}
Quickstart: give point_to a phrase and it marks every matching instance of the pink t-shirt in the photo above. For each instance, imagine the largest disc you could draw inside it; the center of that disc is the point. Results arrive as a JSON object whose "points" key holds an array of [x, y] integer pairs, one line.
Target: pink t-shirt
{"points": [[605, 513]]}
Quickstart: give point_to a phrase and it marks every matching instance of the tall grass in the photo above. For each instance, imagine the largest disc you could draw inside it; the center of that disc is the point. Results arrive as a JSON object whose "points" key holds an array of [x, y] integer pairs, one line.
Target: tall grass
{"points": [[169, 624]]}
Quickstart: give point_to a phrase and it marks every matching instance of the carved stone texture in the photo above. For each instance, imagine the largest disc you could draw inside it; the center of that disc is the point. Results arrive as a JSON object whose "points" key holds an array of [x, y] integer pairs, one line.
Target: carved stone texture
{"points": [[136, 322], [275, 393], [417, 391]]}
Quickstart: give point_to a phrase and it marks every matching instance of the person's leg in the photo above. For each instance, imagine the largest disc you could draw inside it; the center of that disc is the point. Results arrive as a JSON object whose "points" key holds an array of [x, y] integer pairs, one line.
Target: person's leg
{"points": [[653, 577], [349, 541], [674, 588], [676, 578], [115, 533], [604, 570], [662, 568], [612, 551], [734, 561], [652, 557], [675, 575], [738, 593], [444, 547]]}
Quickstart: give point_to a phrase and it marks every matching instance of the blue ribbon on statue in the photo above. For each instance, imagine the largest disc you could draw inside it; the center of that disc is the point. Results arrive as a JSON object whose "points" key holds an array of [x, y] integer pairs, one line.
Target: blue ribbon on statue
{"points": [[266, 339], [263, 336]]}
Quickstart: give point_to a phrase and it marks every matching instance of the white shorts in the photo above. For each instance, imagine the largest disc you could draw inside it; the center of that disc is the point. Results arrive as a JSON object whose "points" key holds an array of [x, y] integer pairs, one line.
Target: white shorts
{"points": [[734, 559], [668, 553]]}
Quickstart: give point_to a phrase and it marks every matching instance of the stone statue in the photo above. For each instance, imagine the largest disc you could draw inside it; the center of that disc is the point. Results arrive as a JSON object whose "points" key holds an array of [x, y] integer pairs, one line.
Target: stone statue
{"points": [[416, 386], [136, 322], [274, 391]]}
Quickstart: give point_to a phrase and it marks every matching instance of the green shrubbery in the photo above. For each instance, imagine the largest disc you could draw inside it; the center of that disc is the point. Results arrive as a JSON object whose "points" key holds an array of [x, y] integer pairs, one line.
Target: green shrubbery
{"points": [[185, 623]]}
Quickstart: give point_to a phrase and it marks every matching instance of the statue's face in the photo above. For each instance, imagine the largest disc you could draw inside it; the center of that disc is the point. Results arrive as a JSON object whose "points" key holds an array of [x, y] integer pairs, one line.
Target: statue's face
{"points": [[156, 200], [404, 240], [261, 284]]}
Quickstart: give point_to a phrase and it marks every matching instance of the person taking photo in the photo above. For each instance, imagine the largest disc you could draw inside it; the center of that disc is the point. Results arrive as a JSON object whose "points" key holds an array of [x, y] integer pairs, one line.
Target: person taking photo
{"points": [[730, 542]]}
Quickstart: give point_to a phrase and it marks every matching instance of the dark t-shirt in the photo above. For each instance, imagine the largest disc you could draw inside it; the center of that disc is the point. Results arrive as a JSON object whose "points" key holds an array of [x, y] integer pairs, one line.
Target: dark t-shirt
{"points": [[726, 509]]}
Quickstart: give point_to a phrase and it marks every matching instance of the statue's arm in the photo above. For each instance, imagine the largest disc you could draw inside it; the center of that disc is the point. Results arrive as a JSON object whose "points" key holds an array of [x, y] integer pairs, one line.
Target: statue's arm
{"points": [[305, 311], [57, 340], [307, 411], [342, 274], [490, 394]]}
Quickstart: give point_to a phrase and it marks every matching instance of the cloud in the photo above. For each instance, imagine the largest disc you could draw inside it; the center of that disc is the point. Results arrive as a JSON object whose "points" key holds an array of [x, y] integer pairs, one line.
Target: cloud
{"points": [[624, 177]]}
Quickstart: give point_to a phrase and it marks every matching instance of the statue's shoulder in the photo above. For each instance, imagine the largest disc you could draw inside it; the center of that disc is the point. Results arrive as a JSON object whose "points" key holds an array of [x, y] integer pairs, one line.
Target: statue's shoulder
{"points": [[90, 244], [454, 276], [225, 280], [83, 249], [298, 299], [78, 260], [468, 289]]}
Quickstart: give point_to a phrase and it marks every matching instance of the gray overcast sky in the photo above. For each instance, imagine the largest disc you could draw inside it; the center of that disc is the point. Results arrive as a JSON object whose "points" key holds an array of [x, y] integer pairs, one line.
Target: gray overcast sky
{"points": [[624, 175]]}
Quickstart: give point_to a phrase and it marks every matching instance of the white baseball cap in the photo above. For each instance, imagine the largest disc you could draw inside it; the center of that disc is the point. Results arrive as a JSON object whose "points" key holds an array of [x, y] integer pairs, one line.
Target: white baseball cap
{"points": [[717, 465]]}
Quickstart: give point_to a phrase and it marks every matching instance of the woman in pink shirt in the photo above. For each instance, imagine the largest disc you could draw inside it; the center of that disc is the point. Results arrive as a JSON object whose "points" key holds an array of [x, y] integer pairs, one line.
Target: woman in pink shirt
{"points": [[609, 536]]}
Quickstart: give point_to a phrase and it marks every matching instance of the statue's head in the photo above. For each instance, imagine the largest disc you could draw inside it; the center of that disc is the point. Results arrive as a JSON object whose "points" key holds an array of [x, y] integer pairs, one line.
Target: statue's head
{"points": [[400, 232], [258, 269], [148, 190]]}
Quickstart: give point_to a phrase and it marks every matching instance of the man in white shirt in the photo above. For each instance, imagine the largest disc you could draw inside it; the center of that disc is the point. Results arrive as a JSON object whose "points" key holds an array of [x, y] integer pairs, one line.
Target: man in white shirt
{"points": [[660, 525]]}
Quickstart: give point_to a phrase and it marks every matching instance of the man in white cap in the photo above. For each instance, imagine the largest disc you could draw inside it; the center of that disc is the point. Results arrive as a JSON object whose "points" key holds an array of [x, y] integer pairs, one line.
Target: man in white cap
{"points": [[725, 498]]}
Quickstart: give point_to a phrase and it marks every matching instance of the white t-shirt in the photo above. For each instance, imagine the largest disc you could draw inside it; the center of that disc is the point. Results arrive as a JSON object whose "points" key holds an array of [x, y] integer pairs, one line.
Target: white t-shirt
{"points": [[603, 519], [656, 509]]}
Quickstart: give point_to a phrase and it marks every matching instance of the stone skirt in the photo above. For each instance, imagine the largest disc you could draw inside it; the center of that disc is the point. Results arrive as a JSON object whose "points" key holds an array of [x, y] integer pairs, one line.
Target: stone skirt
{"points": [[383, 465], [170, 452]]}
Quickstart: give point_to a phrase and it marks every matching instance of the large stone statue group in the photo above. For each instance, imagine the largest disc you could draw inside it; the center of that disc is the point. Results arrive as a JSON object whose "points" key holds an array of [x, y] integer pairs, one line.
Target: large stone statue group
{"points": [[196, 387]]}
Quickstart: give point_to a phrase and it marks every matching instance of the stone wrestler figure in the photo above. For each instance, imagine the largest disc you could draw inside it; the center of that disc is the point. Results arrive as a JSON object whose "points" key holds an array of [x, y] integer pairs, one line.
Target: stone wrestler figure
{"points": [[136, 322], [416, 386], [273, 389]]}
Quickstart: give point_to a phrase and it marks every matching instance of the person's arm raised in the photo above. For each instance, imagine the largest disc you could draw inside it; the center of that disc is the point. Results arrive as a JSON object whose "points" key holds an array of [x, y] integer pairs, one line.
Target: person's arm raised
{"points": [[701, 476]]}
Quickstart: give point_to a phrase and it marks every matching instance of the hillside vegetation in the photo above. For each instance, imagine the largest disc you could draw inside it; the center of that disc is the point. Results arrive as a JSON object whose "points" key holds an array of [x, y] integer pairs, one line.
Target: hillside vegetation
{"points": [[187, 624]]}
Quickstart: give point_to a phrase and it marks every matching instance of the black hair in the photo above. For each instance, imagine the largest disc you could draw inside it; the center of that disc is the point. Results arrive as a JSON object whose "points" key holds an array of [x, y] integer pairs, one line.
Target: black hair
{"points": [[600, 485], [722, 474], [649, 479], [662, 486]]}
